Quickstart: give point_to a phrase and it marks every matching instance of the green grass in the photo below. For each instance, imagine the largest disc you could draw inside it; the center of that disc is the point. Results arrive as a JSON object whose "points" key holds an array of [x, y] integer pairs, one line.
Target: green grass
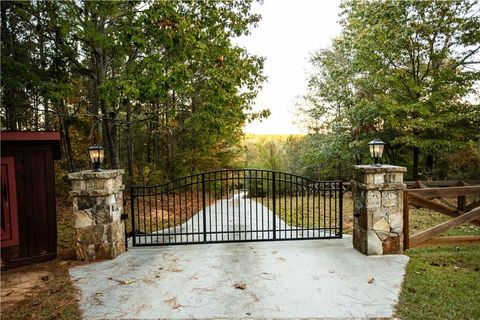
{"points": [[291, 211], [304, 211], [421, 219], [441, 283]]}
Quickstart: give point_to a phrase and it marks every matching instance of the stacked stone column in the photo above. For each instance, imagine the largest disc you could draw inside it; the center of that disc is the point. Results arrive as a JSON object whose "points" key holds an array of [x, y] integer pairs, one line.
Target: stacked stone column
{"points": [[377, 193], [98, 208]]}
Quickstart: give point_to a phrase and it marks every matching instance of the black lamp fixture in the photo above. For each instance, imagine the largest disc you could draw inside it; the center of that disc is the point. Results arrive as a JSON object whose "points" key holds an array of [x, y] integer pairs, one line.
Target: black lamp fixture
{"points": [[376, 150], [97, 154]]}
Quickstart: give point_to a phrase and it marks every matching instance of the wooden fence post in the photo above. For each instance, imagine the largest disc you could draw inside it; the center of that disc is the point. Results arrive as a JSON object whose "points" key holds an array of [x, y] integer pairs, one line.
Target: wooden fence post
{"points": [[406, 224]]}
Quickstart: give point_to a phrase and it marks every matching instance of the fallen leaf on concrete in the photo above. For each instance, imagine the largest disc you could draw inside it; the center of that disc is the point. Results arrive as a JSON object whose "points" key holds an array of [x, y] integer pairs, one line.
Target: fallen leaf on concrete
{"points": [[282, 259], [173, 301], [371, 280], [125, 281], [203, 289], [240, 285], [195, 276], [174, 270], [98, 294], [44, 278], [331, 271]]}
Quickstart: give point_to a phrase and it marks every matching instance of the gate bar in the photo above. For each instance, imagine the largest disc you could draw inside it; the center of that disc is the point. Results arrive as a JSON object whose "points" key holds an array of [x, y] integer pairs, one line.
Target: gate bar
{"points": [[132, 209], [274, 208], [204, 209]]}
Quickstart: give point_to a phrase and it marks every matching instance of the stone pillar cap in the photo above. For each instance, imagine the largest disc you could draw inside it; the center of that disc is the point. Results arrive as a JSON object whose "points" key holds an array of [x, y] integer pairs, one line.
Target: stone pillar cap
{"points": [[90, 174], [379, 169]]}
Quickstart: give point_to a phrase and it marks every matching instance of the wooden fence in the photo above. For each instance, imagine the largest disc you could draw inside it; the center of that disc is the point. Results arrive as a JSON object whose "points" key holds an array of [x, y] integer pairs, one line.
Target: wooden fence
{"points": [[419, 184], [440, 199]]}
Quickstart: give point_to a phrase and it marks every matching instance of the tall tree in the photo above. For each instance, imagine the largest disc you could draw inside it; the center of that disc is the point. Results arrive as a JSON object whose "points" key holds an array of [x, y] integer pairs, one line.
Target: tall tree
{"points": [[404, 71], [158, 83]]}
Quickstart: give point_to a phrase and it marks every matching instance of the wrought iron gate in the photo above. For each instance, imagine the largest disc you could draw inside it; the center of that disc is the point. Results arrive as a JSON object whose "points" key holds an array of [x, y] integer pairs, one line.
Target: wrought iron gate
{"points": [[235, 205]]}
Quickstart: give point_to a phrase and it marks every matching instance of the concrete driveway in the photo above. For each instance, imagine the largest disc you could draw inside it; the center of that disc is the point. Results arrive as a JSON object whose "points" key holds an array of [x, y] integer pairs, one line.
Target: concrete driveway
{"points": [[284, 279]]}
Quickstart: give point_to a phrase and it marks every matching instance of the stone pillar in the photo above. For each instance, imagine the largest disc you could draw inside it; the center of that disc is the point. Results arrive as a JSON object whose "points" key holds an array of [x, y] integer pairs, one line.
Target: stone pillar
{"points": [[98, 208], [377, 194]]}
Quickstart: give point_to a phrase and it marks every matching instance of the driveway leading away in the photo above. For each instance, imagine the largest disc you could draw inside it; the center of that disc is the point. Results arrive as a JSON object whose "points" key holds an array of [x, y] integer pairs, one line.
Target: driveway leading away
{"points": [[285, 279], [241, 216]]}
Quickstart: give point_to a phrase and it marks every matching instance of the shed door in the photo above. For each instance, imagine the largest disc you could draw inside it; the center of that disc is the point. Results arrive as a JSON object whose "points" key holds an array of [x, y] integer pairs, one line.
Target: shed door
{"points": [[9, 219]]}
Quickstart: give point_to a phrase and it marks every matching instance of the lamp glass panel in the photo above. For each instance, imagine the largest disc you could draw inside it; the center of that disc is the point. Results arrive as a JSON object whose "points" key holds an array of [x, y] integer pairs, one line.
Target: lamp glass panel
{"points": [[371, 146], [379, 150], [101, 155], [93, 155], [382, 146]]}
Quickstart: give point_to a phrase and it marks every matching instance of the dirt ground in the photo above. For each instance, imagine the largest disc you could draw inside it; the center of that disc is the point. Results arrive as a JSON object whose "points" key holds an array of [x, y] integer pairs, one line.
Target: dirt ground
{"points": [[40, 291], [44, 290]]}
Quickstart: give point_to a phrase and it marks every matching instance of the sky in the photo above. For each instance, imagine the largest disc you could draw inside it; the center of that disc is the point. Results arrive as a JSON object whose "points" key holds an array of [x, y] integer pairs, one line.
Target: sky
{"points": [[289, 32]]}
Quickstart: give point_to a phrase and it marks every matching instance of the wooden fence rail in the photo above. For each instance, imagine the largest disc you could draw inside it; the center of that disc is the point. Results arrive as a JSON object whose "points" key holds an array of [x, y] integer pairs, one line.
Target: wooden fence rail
{"points": [[421, 184], [437, 199]]}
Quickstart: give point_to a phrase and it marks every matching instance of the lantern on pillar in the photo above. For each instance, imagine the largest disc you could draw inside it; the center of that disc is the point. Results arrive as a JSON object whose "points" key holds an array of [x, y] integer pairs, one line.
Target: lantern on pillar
{"points": [[97, 154], [376, 147]]}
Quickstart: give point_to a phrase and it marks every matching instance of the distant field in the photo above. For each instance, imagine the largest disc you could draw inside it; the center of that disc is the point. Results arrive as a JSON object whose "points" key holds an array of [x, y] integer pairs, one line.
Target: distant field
{"points": [[253, 136]]}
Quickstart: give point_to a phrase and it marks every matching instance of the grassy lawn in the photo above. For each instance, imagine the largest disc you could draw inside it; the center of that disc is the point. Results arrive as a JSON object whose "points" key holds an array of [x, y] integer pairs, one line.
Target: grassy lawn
{"points": [[307, 212], [441, 283], [290, 210], [421, 219]]}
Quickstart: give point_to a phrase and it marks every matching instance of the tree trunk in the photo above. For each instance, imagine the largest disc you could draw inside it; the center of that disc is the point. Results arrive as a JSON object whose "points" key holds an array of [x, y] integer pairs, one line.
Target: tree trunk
{"points": [[429, 164], [167, 144], [8, 101], [66, 136], [149, 143], [48, 126], [68, 142], [129, 142], [108, 125], [114, 137], [416, 153]]}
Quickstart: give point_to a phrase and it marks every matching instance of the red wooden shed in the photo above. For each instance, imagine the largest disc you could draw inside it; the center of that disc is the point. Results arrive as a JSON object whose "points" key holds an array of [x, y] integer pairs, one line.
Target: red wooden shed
{"points": [[28, 220]]}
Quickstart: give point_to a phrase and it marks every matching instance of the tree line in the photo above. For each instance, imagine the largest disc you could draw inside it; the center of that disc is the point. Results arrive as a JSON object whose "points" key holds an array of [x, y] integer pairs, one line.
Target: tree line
{"points": [[162, 87], [404, 71], [158, 83]]}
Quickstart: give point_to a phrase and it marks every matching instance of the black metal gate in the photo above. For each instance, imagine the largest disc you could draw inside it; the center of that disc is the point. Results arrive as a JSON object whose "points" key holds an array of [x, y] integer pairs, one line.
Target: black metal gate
{"points": [[235, 205]]}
